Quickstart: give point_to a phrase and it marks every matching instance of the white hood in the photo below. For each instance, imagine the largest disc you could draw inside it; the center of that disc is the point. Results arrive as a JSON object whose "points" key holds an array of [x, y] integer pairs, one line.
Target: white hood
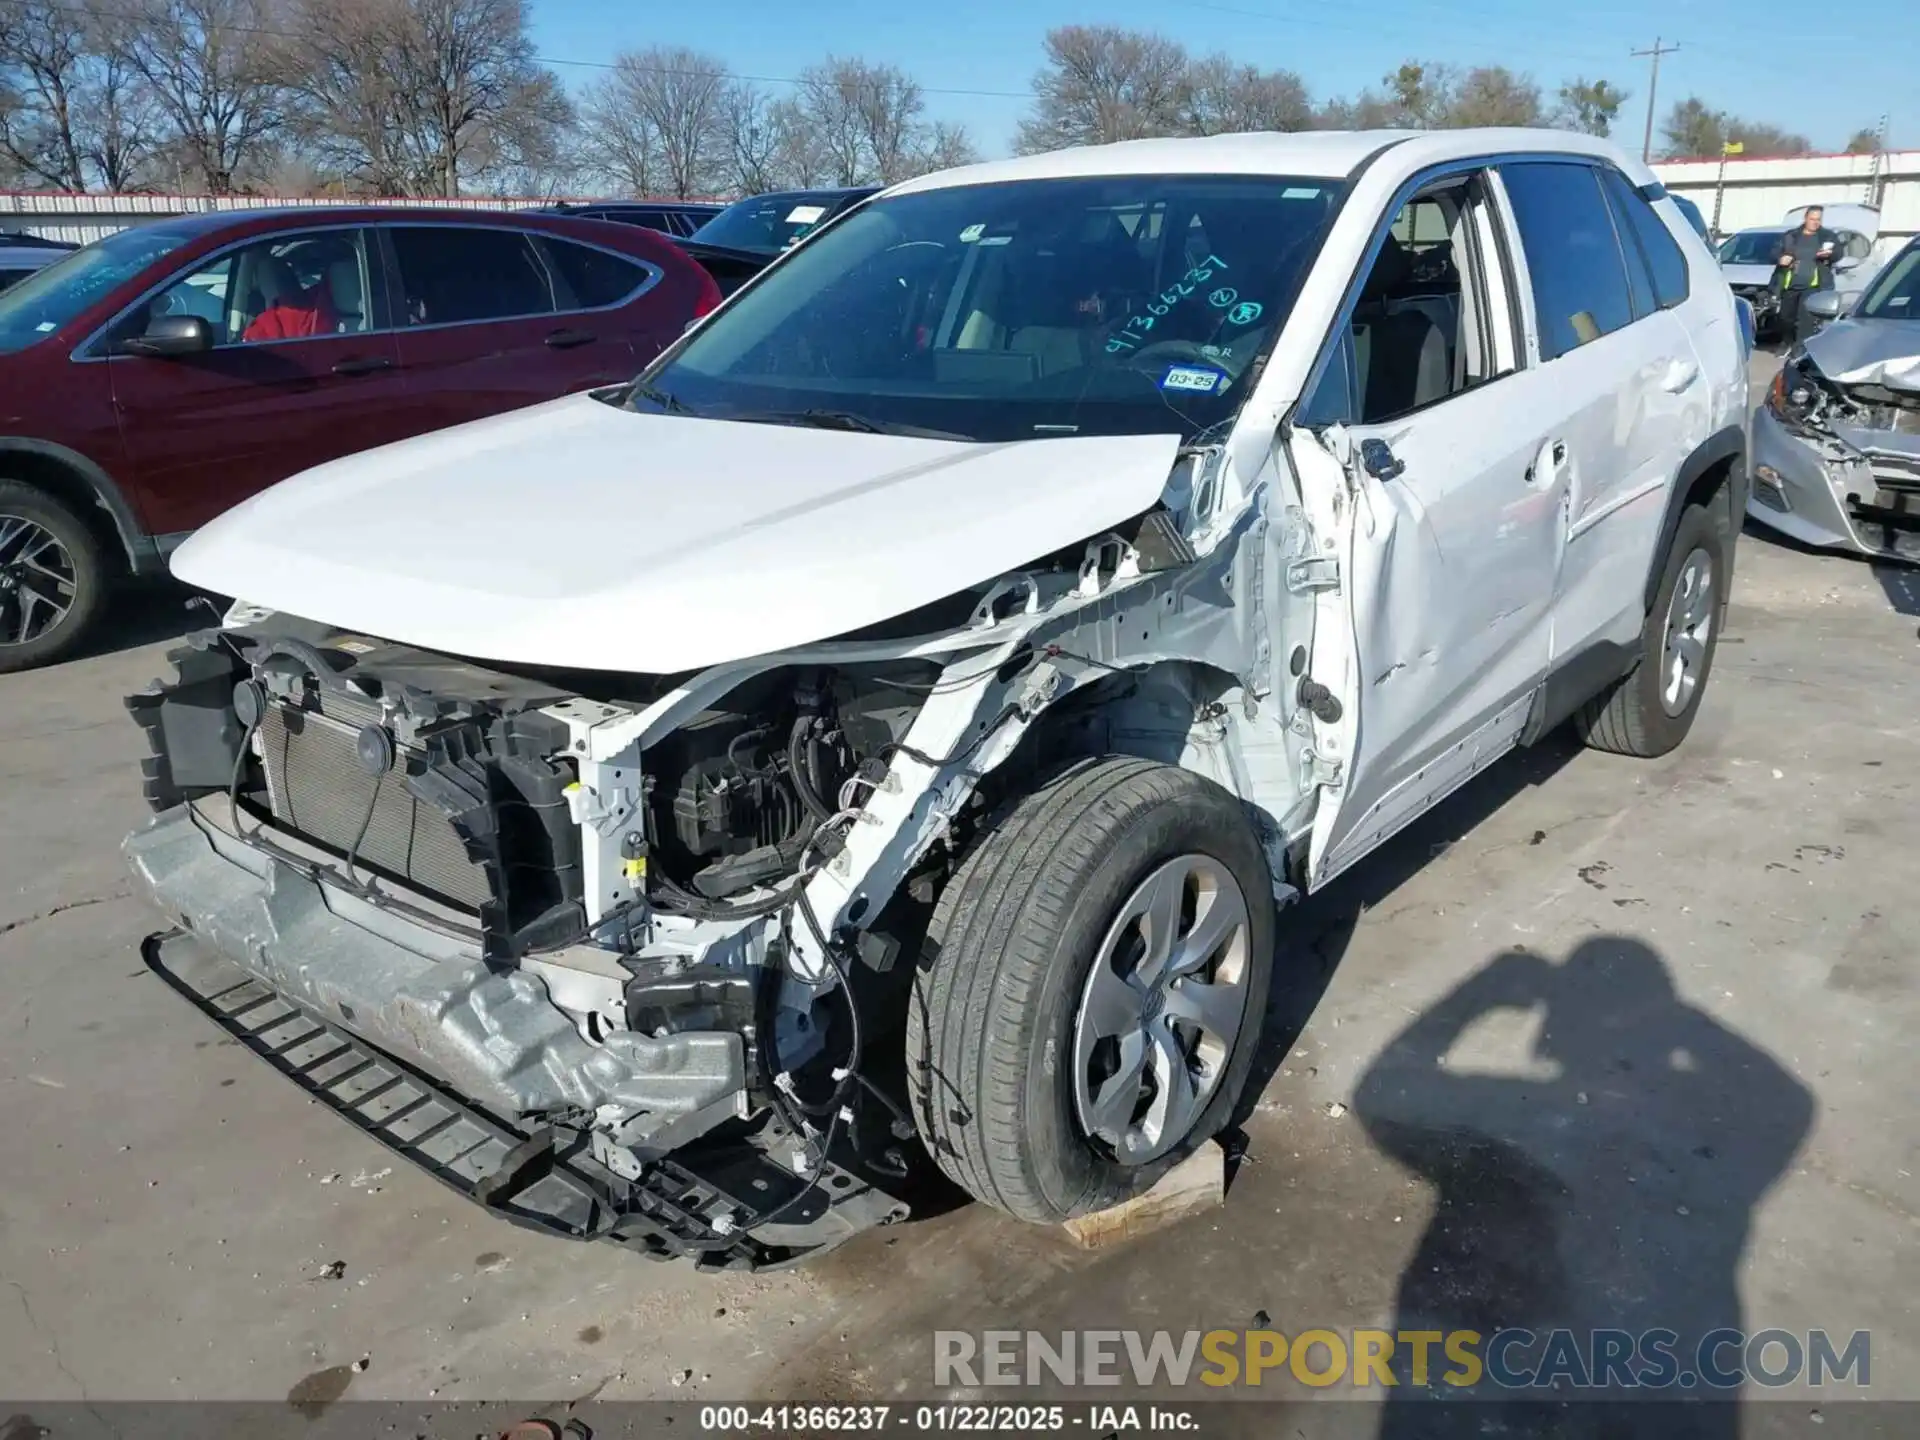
{"points": [[577, 534]]}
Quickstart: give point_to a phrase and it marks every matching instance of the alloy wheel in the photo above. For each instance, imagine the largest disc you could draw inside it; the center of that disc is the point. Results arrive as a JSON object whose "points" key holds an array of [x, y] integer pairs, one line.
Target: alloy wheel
{"points": [[1162, 1008], [1689, 628], [38, 583]]}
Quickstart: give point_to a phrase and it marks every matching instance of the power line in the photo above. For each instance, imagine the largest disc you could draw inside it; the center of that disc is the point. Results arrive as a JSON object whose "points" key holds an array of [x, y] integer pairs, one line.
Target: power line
{"points": [[1653, 86]]}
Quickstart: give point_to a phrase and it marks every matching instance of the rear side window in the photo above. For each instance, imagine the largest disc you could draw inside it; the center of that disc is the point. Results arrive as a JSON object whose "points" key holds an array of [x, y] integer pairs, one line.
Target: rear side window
{"points": [[1573, 256], [451, 274], [1644, 231], [593, 278]]}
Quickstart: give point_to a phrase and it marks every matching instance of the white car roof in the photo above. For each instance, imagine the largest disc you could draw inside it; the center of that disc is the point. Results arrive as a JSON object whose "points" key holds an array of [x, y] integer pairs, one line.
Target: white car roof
{"points": [[1329, 154]]}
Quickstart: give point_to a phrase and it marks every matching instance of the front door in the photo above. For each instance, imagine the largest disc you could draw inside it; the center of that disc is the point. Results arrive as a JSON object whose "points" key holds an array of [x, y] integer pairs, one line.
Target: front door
{"points": [[301, 372], [1429, 453]]}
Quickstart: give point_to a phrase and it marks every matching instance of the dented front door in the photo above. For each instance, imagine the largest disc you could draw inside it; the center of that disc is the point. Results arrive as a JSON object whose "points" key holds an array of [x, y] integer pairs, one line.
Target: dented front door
{"points": [[1450, 525]]}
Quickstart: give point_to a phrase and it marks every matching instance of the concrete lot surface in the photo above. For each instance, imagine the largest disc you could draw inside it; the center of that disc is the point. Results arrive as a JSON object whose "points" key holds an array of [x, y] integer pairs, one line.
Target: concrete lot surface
{"points": [[1600, 1043]]}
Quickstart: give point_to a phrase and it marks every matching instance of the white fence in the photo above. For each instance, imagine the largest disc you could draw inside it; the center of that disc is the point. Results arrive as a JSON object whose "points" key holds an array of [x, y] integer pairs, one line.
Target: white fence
{"points": [[1761, 192], [85, 218]]}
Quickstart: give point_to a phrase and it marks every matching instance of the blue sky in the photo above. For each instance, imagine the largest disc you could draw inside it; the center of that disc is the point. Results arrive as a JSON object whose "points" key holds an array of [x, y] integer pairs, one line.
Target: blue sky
{"points": [[1851, 63]]}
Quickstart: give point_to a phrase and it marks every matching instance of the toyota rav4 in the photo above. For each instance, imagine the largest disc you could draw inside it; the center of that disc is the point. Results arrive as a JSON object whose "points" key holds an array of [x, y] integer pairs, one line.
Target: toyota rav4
{"points": [[893, 725]]}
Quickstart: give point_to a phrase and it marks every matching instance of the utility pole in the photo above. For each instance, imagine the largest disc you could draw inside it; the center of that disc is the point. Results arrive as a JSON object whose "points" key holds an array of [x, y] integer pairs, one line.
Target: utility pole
{"points": [[1879, 155], [1653, 86]]}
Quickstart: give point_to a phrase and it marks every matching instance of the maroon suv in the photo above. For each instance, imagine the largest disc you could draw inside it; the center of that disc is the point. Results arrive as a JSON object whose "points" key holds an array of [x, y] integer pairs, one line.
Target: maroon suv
{"points": [[161, 375]]}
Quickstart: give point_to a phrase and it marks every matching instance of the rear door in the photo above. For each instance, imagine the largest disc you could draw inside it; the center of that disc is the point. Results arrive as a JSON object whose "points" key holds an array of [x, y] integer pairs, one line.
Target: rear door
{"points": [[486, 326], [619, 310], [1626, 363], [203, 432]]}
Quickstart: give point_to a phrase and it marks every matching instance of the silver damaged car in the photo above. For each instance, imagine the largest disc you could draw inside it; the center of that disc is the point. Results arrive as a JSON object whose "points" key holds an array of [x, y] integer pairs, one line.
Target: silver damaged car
{"points": [[1837, 445]]}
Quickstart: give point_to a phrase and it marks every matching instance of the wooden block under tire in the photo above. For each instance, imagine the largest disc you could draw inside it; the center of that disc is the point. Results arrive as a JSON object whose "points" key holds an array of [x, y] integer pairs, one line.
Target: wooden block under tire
{"points": [[1197, 1183]]}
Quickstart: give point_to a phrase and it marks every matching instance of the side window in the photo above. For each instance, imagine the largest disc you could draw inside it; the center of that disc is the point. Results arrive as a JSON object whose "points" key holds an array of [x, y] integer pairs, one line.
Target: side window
{"points": [[453, 274], [1854, 246], [591, 278], [1431, 318], [1573, 256], [292, 287], [1648, 241]]}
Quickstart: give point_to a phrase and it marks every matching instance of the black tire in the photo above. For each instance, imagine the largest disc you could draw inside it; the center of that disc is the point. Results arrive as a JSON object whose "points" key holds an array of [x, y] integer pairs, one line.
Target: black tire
{"points": [[88, 576], [1629, 718], [1007, 954]]}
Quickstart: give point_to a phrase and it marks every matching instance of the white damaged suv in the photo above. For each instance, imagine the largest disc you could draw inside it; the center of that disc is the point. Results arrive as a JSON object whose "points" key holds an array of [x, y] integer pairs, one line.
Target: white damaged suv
{"points": [[895, 723]]}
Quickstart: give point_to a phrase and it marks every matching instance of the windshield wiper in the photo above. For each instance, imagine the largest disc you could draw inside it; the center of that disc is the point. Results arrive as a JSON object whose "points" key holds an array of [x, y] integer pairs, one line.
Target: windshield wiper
{"points": [[673, 404], [823, 419]]}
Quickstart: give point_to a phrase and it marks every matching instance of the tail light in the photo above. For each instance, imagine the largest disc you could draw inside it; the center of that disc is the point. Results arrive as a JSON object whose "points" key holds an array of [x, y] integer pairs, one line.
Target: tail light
{"points": [[708, 300]]}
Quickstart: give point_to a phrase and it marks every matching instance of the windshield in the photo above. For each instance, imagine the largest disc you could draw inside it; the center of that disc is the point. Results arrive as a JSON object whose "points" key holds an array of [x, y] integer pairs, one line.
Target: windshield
{"points": [[1132, 304], [768, 222], [1751, 247], [1895, 292], [48, 299]]}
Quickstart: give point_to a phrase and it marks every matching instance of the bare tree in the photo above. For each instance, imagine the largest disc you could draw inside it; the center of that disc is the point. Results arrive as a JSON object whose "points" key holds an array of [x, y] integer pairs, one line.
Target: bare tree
{"points": [[43, 60], [1225, 97], [1493, 95], [1102, 84], [889, 103], [477, 101], [944, 147], [351, 115], [119, 122], [830, 106], [668, 106], [1864, 141], [213, 69], [750, 139], [802, 157], [1589, 105]]}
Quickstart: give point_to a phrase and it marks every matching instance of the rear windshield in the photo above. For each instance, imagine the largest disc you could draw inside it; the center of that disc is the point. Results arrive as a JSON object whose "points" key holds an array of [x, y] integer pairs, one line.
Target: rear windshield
{"points": [[48, 299], [1758, 247], [767, 222], [1131, 304]]}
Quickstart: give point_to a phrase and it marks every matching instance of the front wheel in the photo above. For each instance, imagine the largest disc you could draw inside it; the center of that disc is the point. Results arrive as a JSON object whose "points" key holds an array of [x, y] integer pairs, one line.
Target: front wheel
{"points": [[1090, 994], [52, 578]]}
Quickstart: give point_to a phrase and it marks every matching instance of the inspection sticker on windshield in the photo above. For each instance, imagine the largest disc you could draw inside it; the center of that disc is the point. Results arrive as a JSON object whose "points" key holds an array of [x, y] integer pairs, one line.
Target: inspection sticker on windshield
{"points": [[1198, 379], [805, 214]]}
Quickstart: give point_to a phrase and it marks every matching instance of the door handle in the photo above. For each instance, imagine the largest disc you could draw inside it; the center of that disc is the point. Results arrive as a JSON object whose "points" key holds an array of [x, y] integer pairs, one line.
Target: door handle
{"points": [[567, 339], [362, 365], [1680, 374]]}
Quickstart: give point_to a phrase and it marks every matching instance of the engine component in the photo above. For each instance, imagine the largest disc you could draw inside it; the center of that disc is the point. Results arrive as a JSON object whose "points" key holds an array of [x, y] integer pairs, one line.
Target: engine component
{"points": [[738, 792]]}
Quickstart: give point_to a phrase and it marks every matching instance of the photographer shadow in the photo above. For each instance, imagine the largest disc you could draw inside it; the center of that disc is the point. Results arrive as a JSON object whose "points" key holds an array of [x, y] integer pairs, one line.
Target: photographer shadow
{"points": [[1605, 1182]]}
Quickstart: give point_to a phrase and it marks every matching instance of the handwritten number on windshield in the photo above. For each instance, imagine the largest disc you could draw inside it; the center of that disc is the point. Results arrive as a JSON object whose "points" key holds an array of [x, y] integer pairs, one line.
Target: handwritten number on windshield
{"points": [[1131, 334]]}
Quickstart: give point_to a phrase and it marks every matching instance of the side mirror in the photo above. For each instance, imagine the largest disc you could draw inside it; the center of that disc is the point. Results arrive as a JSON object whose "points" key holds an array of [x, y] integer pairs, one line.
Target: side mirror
{"points": [[1846, 263], [1824, 306], [170, 335]]}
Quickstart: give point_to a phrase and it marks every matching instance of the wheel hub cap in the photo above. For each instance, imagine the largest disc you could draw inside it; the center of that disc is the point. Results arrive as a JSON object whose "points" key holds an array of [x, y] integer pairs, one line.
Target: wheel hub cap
{"points": [[1690, 615], [1163, 1005], [37, 580]]}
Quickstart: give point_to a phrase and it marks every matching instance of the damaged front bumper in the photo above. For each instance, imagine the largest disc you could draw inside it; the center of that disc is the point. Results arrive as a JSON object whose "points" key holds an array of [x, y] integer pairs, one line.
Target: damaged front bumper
{"points": [[1837, 488], [475, 1072]]}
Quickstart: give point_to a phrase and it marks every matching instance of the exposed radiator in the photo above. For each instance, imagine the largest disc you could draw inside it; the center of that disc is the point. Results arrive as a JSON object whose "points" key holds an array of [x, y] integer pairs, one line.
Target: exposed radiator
{"points": [[316, 787]]}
